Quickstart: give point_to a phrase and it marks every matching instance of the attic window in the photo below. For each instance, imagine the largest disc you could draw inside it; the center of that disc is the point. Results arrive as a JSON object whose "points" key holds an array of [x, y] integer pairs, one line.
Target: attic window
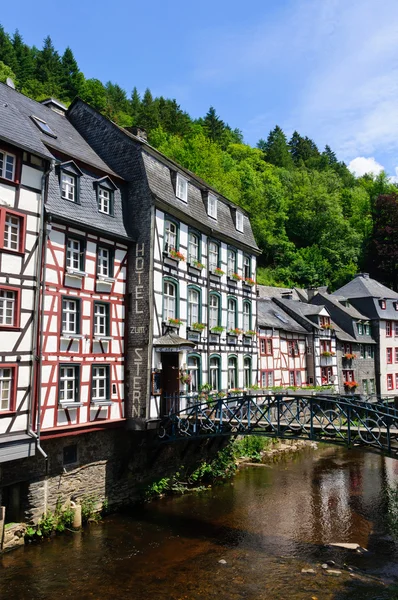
{"points": [[383, 304], [396, 305], [239, 221], [182, 188], [42, 125], [212, 206]]}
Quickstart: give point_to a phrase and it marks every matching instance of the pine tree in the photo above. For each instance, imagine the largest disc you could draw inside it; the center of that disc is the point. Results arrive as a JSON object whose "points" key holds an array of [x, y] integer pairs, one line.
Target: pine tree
{"points": [[7, 53], [149, 112], [48, 68], [213, 125], [276, 149], [304, 150], [25, 59], [71, 79], [135, 105]]}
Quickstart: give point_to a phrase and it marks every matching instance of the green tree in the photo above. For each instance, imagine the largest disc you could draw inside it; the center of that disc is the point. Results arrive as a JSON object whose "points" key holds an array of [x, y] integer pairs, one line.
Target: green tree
{"points": [[93, 92], [213, 125], [71, 79], [48, 68], [7, 53], [276, 149], [5, 72]]}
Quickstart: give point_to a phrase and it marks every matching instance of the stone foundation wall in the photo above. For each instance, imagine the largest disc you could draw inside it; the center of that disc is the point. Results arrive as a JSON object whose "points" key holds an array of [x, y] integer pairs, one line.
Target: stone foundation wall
{"points": [[113, 464]]}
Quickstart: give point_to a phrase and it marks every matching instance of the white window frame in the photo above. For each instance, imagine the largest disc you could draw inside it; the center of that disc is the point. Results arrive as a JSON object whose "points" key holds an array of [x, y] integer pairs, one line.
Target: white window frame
{"points": [[7, 308], [182, 188], [73, 254], [12, 232], [232, 372], [212, 206], [104, 200], [213, 256], [231, 262], [5, 159], [68, 186], [247, 267], [214, 373], [68, 379], [101, 316], [103, 262], [239, 221], [193, 247], [169, 301], [247, 372], [100, 384], [6, 383], [70, 314], [231, 313], [246, 316], [214, 310], [193, 369], [170, 236], [193, 306]]}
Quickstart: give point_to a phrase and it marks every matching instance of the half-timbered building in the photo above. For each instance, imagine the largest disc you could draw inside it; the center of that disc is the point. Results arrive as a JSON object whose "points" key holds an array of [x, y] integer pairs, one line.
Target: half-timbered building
{"points": [[283, 345], [23, 165], [192, 271], [321, 348], [355, 348]]}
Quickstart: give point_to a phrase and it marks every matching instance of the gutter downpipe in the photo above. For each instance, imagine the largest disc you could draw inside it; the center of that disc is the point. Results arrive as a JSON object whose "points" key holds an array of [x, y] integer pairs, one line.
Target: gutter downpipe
{"points": [[35, 377]]}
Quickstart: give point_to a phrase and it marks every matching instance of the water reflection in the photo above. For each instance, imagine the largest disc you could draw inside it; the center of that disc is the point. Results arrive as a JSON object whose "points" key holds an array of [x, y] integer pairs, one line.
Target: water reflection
{"points": [[267, 525]]}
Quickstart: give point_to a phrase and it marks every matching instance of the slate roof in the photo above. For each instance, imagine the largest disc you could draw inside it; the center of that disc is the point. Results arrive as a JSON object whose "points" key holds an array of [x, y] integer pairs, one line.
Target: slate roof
{"points": [[349, 310], [17, 127], [363, 286], [270, 314], [269, 291], [160, 184], [300, 309]]}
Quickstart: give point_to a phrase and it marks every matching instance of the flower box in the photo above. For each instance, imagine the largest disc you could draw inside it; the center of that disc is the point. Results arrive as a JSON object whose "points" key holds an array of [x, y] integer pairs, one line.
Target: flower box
{"points": [[198, 326], [197, 265], [235, 331], [326, 326], [351, 385], [249, 281], [235, 277], [219, 272], [175, 322], [176, 254], [326, 353], [349, 356], [250, 332], [217, 329]]}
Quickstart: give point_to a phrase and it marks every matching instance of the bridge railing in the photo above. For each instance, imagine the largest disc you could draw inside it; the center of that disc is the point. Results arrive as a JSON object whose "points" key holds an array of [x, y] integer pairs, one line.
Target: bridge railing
{"points": [[322, 417]]}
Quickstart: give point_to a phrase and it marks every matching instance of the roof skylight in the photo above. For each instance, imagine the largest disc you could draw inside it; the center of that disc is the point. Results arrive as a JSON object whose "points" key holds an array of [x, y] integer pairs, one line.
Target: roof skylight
{"points": [[42, 125]]}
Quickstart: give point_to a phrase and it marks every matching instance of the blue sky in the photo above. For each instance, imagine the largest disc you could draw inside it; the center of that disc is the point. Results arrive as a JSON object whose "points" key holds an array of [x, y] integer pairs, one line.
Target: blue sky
{"points": [[328, 68]]}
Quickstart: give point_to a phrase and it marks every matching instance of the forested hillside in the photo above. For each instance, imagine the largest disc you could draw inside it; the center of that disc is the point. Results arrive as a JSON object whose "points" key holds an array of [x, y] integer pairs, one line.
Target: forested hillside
{"points": [[312, 219]]}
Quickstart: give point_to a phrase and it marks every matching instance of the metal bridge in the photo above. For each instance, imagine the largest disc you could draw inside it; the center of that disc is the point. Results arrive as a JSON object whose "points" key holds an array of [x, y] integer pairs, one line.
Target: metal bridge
{"points": [[344, 420]]}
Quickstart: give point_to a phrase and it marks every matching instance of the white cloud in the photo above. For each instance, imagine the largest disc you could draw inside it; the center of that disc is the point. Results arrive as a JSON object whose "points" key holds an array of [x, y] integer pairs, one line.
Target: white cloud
{"points": [[361, 165]]}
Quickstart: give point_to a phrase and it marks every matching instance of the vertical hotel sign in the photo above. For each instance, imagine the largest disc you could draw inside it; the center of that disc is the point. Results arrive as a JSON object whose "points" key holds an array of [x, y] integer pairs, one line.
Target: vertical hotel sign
{"points": [[138, 333]]}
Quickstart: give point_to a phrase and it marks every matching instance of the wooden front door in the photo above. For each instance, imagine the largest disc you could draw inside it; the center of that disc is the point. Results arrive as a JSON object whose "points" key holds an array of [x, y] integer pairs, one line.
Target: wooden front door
{"points": [[170, 383]]}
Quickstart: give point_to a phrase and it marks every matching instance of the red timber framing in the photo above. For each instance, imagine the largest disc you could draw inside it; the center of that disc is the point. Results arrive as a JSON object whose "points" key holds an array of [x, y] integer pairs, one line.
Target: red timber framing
{"points": [[72, 350], [282, 358]]}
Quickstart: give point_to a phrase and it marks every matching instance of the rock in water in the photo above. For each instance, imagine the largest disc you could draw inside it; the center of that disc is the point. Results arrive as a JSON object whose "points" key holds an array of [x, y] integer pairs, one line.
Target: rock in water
{"points": [[345, 545]]}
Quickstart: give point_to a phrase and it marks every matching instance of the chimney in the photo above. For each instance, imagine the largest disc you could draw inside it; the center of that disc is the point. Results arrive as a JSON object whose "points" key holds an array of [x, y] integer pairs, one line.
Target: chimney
{"points": [[138, 132], [55, 105], [364, 275]]}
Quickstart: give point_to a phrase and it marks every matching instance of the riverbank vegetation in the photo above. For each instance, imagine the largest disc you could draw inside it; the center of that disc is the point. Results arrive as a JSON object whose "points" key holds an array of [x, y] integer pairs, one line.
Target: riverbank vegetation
{"points": [[218, 470], [315, 223]]}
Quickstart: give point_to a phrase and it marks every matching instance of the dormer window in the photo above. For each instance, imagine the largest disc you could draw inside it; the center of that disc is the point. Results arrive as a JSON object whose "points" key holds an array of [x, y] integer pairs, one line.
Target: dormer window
{"points": [[239, 221], [383, 304], [7, 165], [68, 187], [212, 206], [105, 195], [396, 305], [104, 201], [182, 188], [69, 176]]}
